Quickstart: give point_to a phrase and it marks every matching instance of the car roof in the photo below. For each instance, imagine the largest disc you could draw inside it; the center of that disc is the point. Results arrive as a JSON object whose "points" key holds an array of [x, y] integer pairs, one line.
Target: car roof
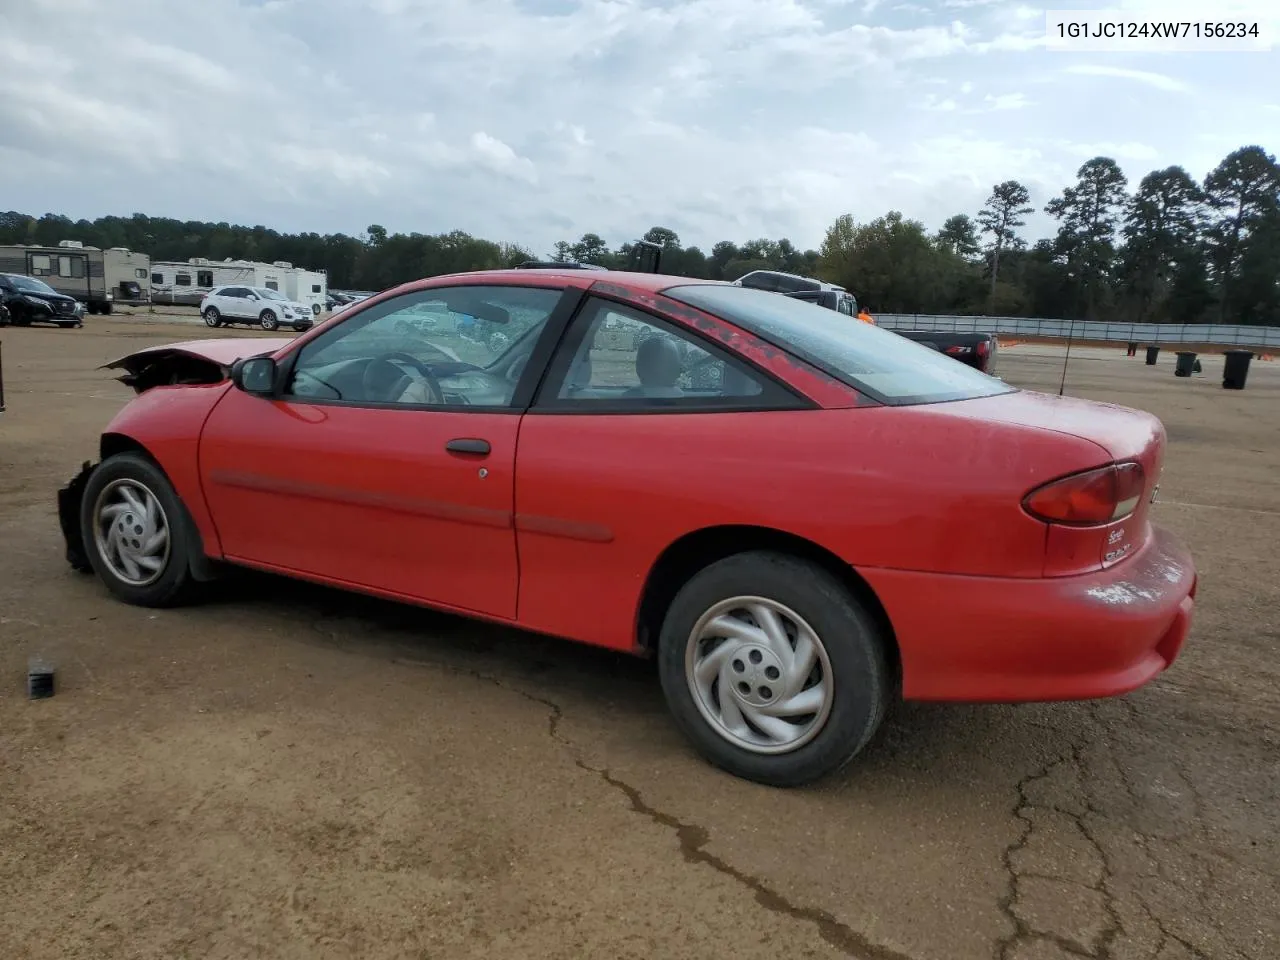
{"points": [[646, 282]]}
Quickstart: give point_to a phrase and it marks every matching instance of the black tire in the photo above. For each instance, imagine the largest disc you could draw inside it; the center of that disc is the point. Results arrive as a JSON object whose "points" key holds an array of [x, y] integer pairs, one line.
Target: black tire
{"points": [[212, 318], [861, 680], [67, 324], [174, 583], [91, 307], [105, 308], [268, 320]]}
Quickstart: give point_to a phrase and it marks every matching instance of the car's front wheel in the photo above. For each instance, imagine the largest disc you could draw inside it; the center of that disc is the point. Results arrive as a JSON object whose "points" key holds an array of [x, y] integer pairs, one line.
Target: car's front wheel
{"points": [[135, 532], [212, 317], [772, 669], [268, 320]]}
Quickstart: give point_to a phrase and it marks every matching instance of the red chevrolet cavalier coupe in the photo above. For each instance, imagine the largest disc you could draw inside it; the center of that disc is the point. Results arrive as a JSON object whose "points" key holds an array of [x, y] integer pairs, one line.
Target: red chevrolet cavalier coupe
{"points": [[800, 517]]}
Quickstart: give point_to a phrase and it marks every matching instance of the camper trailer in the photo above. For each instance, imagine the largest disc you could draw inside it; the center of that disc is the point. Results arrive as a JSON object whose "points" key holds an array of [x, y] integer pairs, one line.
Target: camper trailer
{"points": [[100, 279], [299, 285], [188, 282]]}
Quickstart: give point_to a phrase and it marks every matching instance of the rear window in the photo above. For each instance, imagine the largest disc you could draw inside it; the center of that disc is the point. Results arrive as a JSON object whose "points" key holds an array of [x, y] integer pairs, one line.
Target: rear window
{"points": [[890, 368]]}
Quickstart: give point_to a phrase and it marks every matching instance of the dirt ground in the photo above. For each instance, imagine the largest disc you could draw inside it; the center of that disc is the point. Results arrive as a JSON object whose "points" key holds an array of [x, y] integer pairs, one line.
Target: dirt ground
{"points": [[285, 771]]}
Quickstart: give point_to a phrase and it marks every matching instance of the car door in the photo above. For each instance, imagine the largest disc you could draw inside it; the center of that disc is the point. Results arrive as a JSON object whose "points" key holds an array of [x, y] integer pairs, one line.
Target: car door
{"points": [[245, 304], [386, 458], [228, 302], [632, 415]]}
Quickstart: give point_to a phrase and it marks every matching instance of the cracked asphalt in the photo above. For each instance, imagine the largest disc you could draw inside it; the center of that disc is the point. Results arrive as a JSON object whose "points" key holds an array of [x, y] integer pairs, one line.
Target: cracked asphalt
{"points": [[288, 771]]}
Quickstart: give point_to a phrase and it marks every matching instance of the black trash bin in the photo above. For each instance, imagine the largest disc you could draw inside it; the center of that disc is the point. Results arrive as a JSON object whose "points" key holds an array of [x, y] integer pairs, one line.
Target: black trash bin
{"points": [[1236, 370], [1152, 353], [1186, 364]]}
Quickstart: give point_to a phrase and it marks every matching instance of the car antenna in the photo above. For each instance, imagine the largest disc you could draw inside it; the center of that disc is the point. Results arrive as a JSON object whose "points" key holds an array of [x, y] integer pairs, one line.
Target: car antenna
{"points": [[1067, 359]]}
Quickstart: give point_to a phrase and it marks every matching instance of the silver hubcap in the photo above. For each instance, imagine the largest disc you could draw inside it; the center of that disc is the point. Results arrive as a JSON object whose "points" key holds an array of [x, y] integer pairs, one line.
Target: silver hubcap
{"points": [[131, 531], [759, 675]]}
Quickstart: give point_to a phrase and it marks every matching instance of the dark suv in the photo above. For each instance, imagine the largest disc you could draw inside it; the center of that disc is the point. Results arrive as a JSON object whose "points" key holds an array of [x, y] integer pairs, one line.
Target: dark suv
{"points": [[29, 301]]}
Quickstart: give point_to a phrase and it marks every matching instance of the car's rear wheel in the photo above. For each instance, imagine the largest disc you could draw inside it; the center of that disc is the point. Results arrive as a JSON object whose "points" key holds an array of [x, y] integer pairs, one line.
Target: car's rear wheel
{"points": [[268, 320], [135, 532], [212, 317], [772, 668]]}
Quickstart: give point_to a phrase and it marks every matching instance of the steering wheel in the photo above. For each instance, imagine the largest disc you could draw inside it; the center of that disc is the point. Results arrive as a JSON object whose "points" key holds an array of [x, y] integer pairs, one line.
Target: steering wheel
{"points": [[384, 379]]}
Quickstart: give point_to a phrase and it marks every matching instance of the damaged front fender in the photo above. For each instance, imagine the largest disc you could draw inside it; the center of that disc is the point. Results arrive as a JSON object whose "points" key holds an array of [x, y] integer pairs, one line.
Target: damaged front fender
{"points": [[70, 498], [160, 368]]}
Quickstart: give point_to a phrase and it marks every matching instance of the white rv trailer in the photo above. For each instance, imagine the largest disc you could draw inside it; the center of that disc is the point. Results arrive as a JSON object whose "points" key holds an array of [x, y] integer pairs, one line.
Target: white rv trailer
{"points": [[188, 282], [310, 287], [100, 279]]}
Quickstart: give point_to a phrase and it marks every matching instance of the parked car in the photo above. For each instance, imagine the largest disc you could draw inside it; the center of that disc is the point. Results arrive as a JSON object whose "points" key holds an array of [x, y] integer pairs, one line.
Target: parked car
{"points": [[977, 350], [837, 518], [257, 306], [29, 300]]}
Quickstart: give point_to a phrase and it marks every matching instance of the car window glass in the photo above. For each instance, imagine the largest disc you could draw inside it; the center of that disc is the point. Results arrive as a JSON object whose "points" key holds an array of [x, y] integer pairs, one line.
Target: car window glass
{"points": [[452, 345], [888, 367], [626, 356]]}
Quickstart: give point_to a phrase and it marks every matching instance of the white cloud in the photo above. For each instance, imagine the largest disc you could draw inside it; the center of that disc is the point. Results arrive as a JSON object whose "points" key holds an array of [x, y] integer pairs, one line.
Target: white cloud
{"points": [[1158, 80], [1006, 101], [539, 120]]}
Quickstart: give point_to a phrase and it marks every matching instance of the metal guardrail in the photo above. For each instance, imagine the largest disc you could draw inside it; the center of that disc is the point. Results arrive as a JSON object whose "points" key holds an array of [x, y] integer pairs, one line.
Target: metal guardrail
{"points": [[1146, 333]]}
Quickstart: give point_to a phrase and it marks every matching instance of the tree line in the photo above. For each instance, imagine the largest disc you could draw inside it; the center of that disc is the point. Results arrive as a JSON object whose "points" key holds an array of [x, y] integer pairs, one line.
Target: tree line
{"points": [[1174, 250]]}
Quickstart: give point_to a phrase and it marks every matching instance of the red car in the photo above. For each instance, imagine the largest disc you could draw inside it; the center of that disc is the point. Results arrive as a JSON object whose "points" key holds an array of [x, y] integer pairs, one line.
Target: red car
{"points": [[801, 520]]}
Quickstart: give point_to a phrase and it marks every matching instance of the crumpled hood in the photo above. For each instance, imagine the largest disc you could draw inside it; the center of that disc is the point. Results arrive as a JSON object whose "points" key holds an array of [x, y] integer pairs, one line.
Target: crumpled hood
{"points": [[223, 352], [191, 362]]}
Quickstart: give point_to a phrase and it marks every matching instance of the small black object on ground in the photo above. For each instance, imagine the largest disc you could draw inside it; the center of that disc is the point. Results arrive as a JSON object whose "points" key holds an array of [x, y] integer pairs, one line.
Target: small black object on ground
{"points": [[1152, 353], [1186, 363], [1236, 369], [39, 679]]}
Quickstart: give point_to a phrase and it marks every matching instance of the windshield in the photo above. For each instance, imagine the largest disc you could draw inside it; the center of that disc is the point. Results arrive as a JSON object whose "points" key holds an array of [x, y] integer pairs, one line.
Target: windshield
{"points": [[31, 285], [878, 362], [269, 294]]}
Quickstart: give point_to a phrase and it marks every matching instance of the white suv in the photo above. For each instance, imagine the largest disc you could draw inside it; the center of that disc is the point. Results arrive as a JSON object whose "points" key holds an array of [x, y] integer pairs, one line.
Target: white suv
{"points": [[256, 305]]}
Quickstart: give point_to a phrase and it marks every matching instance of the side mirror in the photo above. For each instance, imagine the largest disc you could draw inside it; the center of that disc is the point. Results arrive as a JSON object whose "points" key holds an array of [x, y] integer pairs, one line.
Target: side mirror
{"points": [[255, 375]]}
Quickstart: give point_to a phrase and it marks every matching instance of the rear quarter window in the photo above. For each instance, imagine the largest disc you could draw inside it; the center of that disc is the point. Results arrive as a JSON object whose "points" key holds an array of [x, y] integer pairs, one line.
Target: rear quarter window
{"points": [[875, 361]]}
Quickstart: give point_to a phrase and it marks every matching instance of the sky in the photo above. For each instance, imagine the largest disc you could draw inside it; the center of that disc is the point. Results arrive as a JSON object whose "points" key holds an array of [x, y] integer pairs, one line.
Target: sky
{"points": [[532, 121]]}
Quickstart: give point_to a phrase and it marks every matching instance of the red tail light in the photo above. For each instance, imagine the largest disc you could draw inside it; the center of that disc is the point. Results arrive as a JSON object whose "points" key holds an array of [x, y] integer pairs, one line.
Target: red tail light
{"points": [[1089, 499]]}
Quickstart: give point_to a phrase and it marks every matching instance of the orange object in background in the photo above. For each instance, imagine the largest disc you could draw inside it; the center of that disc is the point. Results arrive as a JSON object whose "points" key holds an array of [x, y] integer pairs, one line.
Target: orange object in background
{"points": [[864, 316]]}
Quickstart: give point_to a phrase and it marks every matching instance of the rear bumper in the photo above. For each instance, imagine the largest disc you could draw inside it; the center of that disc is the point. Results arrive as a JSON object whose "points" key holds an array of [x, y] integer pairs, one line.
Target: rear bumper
{"points": [[980, 639]]}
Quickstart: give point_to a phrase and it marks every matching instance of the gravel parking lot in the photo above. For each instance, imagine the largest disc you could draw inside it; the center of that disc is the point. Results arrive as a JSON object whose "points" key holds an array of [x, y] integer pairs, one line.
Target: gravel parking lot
{"points": [[286, 771]]}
